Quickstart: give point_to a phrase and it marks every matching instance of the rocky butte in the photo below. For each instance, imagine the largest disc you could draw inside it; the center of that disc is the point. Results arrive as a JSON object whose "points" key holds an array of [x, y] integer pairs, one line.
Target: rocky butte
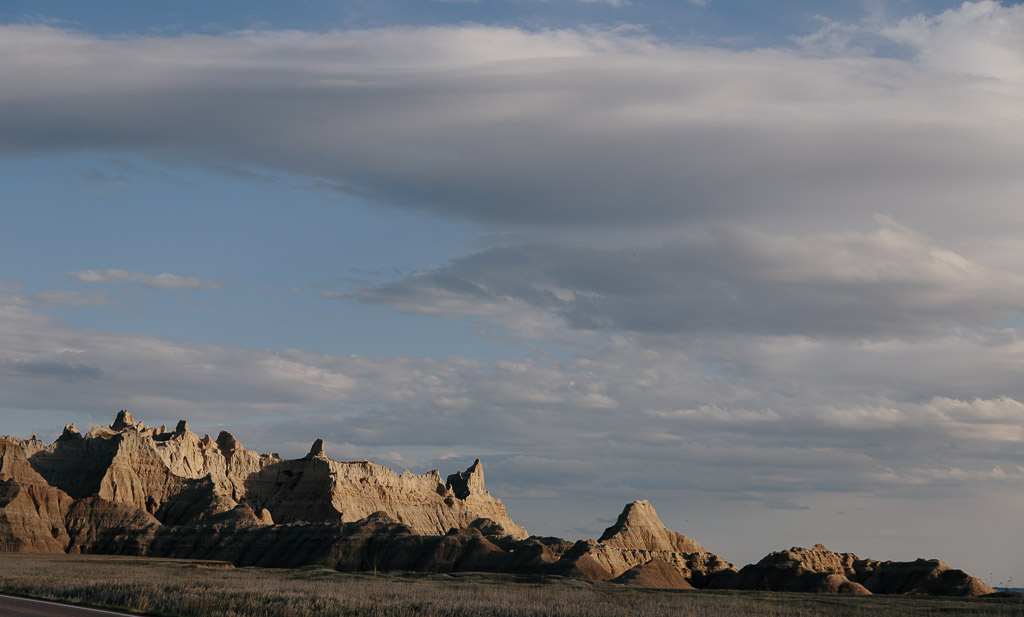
{"points": [[129, 489]]}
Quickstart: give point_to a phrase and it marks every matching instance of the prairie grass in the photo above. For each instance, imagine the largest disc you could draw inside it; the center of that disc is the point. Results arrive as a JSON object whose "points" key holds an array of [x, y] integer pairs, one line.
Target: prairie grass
{"points": [[209, 589]]}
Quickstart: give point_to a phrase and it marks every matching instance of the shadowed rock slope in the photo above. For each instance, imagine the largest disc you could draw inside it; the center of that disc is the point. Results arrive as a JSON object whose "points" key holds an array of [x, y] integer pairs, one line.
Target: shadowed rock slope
{"points": [[130, 489], [820, 570]]}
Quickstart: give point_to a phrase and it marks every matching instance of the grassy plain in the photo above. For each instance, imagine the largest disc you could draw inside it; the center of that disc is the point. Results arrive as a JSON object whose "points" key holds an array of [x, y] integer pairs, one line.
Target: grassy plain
{"points": [[208, 589]]}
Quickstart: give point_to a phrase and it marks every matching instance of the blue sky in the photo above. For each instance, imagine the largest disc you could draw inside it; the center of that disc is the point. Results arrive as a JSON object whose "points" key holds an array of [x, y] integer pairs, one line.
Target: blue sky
{"points": [[756, 262], [683, 19], [275, 247]]}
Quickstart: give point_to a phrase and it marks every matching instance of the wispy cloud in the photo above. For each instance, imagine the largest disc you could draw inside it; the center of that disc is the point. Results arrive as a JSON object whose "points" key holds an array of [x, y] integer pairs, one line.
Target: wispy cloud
{"points": [[891, 282], [615, 3], [50, 298], [47, 369], [155, 281]]}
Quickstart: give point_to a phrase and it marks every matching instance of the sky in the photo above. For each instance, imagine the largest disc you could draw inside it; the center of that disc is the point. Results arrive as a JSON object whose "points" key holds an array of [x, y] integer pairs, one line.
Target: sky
{"points": [[760, 263]]}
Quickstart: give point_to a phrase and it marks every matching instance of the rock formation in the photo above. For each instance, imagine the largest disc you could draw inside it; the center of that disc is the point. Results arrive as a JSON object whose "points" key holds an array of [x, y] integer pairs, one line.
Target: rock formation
{"points": [[638, 527], [820, 570], [179, 478], [31, 511], [655, 573], [636, 539], [129, 489]]}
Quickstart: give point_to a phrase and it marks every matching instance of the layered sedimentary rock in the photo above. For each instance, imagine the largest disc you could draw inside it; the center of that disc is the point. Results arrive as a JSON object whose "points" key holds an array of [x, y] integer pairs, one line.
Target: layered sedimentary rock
{"points": [[129, 489], [820, 570], [179, 478], [638, 527], [637, 538], [379, 542], [31, 511]]}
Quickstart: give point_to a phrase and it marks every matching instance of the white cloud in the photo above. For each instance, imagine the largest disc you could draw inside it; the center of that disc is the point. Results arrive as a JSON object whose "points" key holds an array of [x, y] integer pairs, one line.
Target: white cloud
{"points": [[981, 39], [155, 281], [560, 128], [62, 298], [891, 282], [615, 3]]}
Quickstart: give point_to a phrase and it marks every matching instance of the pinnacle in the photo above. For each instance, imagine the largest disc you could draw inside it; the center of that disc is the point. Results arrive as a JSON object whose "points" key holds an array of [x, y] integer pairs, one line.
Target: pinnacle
{"points": [[70, 433], [124, 420], [639, 526], [317, 450], [227, 443], [469, 482]]}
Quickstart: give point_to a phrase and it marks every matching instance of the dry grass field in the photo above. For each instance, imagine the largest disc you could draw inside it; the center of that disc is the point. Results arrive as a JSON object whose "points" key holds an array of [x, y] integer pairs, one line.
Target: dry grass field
{"points": [[208, 589]]}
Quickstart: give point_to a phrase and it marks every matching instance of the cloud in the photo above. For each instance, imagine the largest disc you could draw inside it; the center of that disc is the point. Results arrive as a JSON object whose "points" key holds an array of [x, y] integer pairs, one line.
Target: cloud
{"points": [[61, 370], [887, 283], [977, 40], [100, 181], [981, 39], [162, 282], [51, 298], [568, 128]]}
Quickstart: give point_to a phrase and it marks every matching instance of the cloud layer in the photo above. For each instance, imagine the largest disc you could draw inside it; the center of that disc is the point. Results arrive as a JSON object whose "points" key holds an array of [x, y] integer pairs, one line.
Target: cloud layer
{"points": [[567, 128]]}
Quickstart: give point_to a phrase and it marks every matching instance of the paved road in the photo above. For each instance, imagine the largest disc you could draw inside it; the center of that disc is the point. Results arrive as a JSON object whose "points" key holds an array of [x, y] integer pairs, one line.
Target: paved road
{"points": [[25, 607]]}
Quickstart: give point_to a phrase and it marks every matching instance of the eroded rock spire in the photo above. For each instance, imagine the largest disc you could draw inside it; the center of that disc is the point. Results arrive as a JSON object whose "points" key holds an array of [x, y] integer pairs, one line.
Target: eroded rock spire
{"points": [[124, 420], [317, 449], [71, 433]]}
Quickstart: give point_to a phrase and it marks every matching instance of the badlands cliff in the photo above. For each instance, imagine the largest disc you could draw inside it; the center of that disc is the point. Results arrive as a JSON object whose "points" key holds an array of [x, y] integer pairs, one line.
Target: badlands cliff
{"points": [[131, 489], [177, 478]]}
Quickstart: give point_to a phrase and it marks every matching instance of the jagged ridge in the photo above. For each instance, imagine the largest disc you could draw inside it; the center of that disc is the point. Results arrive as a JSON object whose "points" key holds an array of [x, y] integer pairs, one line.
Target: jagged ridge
{"points": [[179, 478], [132, 489]]}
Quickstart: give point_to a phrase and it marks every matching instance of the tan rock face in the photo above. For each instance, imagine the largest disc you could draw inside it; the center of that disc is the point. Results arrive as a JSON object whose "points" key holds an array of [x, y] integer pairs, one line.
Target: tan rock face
{"points": [[31, 511], [177, 478], [639, 527], [636, 539]]}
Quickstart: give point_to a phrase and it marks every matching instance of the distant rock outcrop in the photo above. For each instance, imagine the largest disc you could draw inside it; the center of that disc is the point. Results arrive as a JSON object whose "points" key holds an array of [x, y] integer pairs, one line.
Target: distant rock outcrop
{"points": [[129, 489], [820, 570], [637, 538], [638, 527]]}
